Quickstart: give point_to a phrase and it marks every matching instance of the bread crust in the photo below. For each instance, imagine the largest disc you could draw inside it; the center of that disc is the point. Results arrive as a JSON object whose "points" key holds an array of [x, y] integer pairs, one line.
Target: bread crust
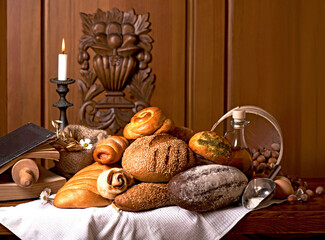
{"points": [[211, 146], [148, 121], [143, 196], [206, 188], [183, 133], [157, 158], [110, 150], [81, 190]]}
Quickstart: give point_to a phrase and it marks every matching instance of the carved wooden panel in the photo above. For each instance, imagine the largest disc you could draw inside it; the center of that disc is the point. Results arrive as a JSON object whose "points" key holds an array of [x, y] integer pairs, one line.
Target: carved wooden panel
{"points": [[121, 46]]}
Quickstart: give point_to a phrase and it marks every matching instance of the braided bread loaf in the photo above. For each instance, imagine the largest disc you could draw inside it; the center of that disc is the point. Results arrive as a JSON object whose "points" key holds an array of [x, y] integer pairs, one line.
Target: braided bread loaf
{"points": [[146, 122], [110, 150], [81, 190]]}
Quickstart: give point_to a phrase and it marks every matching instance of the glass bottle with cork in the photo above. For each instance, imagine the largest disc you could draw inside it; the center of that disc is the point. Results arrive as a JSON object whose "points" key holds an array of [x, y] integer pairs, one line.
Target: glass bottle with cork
{"points": [[241, 154]]}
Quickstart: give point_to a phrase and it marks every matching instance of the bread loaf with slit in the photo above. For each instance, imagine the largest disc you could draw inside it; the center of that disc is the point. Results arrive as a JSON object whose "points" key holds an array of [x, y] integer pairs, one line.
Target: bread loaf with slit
{"points": [[81, 190], [157, 158]]}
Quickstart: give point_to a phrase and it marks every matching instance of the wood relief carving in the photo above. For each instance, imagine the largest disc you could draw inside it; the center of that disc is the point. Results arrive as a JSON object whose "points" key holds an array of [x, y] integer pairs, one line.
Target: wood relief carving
{"points": [[119, 82]]}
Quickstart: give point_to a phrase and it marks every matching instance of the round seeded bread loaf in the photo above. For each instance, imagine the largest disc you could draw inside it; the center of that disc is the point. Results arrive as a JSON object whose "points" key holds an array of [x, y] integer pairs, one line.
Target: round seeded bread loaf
{"points": [[157, 158], [207, 187]]}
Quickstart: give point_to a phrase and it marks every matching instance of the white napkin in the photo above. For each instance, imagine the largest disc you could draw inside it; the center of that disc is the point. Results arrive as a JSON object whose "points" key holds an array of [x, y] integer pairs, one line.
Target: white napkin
{"points": [[36, 221]]}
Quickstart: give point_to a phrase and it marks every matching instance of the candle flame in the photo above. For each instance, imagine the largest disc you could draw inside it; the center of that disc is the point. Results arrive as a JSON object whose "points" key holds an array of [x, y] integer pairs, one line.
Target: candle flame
{"points": [[63, 45]]}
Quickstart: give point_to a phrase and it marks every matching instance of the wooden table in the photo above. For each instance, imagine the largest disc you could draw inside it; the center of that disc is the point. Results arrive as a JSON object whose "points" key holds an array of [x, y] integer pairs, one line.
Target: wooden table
{"points": [[285, 221]]}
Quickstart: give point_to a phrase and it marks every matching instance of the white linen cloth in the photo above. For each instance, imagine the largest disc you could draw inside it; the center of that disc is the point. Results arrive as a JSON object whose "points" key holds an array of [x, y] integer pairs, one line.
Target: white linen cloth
{"points": [[33, 220]]}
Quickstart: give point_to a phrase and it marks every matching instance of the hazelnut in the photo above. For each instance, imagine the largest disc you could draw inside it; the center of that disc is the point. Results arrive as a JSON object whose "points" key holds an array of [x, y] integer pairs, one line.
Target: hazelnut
{"points": [[255, 163], [260, 159], [267, 153], [310, 193], [255, 155], [254, 150], [304, 197], [275, 154], [272, 160], [319, 190], [292, 198], [275, 146]]}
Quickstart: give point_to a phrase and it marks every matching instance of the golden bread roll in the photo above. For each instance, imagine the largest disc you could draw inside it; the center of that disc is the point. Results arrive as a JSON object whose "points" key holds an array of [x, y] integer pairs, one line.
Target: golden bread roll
{"points": [[148, 121], [183, 133], [143, 196], [211, 146], [81, 190], [114, 181], [110, 150], [157, 158]]}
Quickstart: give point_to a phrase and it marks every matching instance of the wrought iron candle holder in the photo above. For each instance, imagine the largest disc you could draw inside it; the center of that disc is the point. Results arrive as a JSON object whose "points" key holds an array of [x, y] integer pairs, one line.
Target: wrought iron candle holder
{"points": [[62, 89]]}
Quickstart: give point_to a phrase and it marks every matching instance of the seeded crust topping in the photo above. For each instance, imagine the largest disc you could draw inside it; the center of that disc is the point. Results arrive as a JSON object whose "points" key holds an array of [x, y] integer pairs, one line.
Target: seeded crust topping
{"points": [[157, 158]]}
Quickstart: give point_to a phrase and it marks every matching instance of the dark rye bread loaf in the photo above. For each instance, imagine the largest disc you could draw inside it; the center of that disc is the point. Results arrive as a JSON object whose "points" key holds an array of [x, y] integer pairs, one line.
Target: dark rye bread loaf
{"points": [[208, 187], [157, 158]]}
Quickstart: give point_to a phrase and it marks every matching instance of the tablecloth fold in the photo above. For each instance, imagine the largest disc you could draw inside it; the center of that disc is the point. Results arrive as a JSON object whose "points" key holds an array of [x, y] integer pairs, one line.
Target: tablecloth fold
{"points": [[33, 220]]}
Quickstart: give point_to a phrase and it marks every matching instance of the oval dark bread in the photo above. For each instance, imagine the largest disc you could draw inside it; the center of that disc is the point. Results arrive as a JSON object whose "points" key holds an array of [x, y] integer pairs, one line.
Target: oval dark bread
{"points": [[207, 187], [157, 158]]}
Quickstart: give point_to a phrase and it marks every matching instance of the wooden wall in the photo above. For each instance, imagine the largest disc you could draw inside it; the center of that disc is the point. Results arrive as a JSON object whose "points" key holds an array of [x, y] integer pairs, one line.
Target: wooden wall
{"points": [[208, 57]]}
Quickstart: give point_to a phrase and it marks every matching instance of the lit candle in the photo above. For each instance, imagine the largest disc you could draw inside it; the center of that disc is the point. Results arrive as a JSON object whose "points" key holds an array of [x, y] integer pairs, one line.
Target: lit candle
{"points": [[62, 65]]}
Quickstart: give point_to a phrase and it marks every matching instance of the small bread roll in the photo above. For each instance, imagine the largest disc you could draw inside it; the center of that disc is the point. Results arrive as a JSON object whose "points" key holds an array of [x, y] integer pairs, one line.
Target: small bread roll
{"points": [[110, 150], [157, 158], [143, 196], [148, 121], [211, 146], [112, 182]]}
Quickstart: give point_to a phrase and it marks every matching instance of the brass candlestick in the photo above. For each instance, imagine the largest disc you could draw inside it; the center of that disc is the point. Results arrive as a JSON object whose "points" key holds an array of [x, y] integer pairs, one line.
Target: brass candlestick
{"points": [[62, 89]]}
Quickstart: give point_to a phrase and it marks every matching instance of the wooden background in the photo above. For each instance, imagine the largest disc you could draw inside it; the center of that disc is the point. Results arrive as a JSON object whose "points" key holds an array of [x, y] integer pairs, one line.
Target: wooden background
{"points": [[208, 57]]}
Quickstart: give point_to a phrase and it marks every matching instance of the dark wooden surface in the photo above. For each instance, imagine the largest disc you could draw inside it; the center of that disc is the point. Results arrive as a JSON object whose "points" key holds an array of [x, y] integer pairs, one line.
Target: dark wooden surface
{"points": [[284, 221]]}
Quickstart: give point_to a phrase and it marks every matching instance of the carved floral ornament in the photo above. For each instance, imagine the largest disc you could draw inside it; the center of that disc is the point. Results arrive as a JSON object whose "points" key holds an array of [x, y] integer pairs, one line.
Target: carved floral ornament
{"points": [[121, 47]]}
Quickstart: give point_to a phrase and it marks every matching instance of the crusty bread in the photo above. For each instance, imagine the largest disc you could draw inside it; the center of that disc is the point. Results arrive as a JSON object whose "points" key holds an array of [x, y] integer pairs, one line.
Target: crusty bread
{"points": [[157, 158], [207, 187], [81, 190], [143, 196], [211, 146], [183, 133], [110, 150], [150, 120]]}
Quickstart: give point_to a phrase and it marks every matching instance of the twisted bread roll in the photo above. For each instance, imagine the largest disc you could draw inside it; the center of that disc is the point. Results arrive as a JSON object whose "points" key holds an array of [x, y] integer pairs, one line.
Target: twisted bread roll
{"points": [[110, 150], [146, 122], [112, 182], [81, 190]]}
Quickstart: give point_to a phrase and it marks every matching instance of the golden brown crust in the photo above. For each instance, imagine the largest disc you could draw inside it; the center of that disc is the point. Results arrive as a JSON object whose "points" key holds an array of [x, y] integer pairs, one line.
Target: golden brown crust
{"points": [[157, 158], [183, 133], [147, 122], [211, 146], [143, 196], [81, 190], [110, 150]]}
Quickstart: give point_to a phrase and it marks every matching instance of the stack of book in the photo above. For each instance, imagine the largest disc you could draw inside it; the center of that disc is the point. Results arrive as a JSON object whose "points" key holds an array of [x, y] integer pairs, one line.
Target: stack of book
{"points": [[33, 142]]}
